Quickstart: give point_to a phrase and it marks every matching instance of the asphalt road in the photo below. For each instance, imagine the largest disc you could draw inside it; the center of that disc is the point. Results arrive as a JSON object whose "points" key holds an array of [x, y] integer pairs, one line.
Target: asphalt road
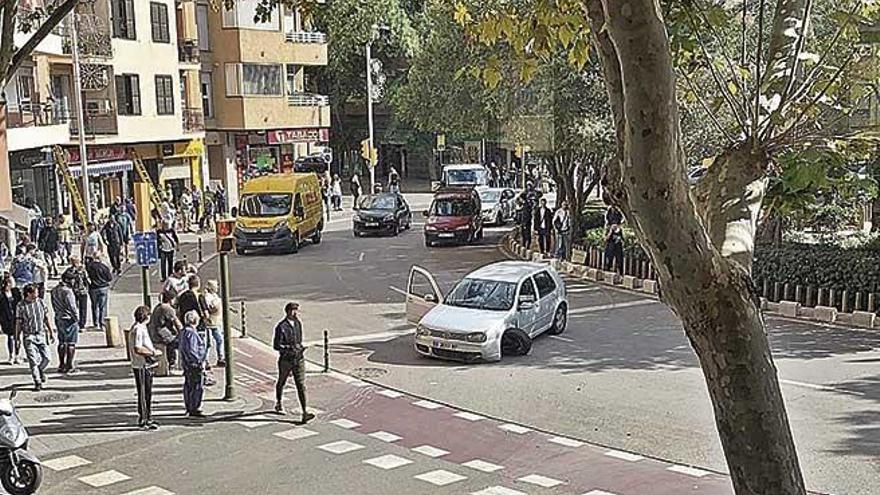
{"points": [[624, 377]]}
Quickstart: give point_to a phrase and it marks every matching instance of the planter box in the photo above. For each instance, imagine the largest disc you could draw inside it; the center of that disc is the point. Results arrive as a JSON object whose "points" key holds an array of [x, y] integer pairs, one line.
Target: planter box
{"points": [[650, 286], [825, 313], [631, 282], [863, 319], [789, 308]]}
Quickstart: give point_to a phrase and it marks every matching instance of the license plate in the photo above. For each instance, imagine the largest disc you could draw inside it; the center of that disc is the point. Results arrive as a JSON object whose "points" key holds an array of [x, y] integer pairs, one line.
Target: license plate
{"points": [[372, 224], [446, 234], [261, 243], [443, 345]]}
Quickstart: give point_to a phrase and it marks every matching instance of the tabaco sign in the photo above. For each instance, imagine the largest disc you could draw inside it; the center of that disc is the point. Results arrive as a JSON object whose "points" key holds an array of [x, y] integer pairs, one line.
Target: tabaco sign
{"points": [[298, 136], [107, 154]]}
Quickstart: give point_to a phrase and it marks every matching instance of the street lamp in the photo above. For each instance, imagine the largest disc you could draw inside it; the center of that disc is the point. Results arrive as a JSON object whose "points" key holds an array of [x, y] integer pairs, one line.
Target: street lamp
{"points": [[375, 31]]}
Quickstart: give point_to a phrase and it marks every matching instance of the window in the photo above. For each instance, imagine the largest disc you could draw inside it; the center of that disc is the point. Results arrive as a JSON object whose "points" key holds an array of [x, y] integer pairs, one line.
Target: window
{"points": [[527, 290], [202, 26], [291, 78], [128, 94], [159, 22], [243, 14], [123, 19], [164, 95], [25, 88], [207, 94], [253, 80], [545, 284]]}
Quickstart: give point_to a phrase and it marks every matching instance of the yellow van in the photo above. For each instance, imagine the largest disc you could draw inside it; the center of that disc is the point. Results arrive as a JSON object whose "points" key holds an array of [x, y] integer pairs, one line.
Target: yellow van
{"points": [[278, 212]]}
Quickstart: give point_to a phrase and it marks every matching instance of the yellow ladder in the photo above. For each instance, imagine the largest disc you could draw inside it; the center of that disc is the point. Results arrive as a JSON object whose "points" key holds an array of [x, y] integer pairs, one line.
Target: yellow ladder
{"points": [[72, 189], [156, 192]]}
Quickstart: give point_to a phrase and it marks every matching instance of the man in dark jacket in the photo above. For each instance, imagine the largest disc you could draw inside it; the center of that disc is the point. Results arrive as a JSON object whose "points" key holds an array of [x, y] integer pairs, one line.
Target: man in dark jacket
{"points": [[193, 353], [100, 279], [544, 224], [79, 282], [288, 343], [67, 322], [48, 244], [113, 238], [524, 221]]}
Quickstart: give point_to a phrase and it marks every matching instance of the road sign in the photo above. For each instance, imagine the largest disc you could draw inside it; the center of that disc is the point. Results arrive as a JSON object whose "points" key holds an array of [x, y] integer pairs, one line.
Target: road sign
{"points": [[224, 232], [146, 248]]}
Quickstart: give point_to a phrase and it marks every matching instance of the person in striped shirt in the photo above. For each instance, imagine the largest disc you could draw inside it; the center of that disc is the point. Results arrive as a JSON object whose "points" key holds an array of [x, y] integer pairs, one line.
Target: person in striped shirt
{"points": [[33, 328]]}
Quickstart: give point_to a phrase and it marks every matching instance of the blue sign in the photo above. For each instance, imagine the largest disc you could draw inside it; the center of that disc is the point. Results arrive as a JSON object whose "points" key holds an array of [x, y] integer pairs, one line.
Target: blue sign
{"points": [[146, 247]]}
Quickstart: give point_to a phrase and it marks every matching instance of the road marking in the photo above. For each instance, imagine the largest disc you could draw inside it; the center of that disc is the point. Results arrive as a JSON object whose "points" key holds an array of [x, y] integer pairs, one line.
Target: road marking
{"points": [[625, 456], [578, 290], [440, 477], [341, 447], [385, 436], [542, 481], [566, 442], [697, 473], [361, 339], [104, 479], [430, 451], [599, 492], [564, 339], [243, 353], [398, 290], [823, 388], [480, 465], [150, 490], [257, 421], [387, 462], [498, 490], [296, 434], [361, 257], [512, 428], [391, 394], [67, 462], [426, 404], [469, 416], [593, 309], [254, 370], [345, 423]]}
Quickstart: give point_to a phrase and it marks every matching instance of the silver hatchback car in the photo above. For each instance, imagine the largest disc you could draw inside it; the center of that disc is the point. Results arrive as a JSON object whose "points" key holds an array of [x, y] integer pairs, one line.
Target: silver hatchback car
{"points": [[494, 311]]}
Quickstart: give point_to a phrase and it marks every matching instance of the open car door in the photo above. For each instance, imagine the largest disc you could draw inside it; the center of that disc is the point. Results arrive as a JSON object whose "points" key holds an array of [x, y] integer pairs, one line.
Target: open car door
{"points": [[422, 294]]}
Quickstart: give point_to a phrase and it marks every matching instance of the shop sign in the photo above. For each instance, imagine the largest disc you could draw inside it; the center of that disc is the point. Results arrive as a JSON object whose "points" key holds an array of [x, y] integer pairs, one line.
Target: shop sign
{"points": [[20, 160], [167, 149], [284, 136], [256, 138], [105, 154]]}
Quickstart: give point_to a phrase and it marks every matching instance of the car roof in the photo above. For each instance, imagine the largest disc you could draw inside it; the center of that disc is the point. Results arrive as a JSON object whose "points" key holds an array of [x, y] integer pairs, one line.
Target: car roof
{"points": [[454, 192], [507, 271], [276, 182], [462, 166]]}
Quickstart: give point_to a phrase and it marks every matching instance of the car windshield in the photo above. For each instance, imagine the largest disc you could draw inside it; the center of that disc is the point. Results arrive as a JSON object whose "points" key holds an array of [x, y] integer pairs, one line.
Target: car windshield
{"points": [[490, 196], [476, 293], [473, 176], [377, 203], [451, 208], [265, 205]]}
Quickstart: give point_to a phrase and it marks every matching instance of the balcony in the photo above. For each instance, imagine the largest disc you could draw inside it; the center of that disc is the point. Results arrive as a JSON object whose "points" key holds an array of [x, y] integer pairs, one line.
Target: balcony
{"points": [[34, 125], [306, 37], [193, 120], [100, 119], [307, 100], [188, 52]]}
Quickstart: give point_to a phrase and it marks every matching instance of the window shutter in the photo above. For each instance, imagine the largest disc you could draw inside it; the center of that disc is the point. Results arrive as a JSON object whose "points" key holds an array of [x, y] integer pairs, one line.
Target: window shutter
{"points": [[117, 18], [135, 88], [129, 19], [166, 28], [121, 98]]}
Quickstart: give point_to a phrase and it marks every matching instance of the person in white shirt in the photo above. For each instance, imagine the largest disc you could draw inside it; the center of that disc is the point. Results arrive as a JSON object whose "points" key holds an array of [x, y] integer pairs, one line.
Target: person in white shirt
{"points": [[93, 245], [143, 361], [214, 320], [562, 225]]}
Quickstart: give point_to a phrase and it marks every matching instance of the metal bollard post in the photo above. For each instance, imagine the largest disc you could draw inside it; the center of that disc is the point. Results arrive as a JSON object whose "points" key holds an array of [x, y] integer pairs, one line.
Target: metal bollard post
{"points": [[326, 351], [799, 293], [871, 302], [243, 316], [201, 259], [765, 289], [786, 292], [811, 291], [820, 301], [859, 301], [831, 298], [776, 288], [844, 301]]}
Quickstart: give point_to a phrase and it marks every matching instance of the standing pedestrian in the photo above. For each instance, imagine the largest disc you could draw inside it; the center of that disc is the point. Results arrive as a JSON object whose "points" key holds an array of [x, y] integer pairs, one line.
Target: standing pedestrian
{"points": [[22, 268], [78, 277], [165, 327], [205, 224], [214, 320], [125, 228], [613, 216], [64, 234], [393, 181], [112, 235], [41, 272], [92, 245], [524, 220], [32, 327], [193, 353], [168, 246], [143, 361], [196, 205], [185, 203], [562, 225], [544, 224], [24, 241], [178, 282], [336, 193], [100, 279], [66, 310], [288, 343], [614, 249], [48, 243], [10, 297], [220, 201], [355, 188]]}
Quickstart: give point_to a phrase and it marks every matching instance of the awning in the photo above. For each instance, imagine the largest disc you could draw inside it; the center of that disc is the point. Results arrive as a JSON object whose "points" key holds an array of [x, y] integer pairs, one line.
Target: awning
{"points": [[176, 171], [102, 168]]}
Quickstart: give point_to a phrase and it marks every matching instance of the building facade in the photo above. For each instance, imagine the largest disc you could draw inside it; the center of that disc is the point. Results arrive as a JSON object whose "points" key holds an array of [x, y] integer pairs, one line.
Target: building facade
{"points": [[261, 111]]}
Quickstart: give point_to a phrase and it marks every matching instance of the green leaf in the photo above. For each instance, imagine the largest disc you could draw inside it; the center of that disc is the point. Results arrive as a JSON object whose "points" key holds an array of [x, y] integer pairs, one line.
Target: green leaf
{"points": [[492, 77]]}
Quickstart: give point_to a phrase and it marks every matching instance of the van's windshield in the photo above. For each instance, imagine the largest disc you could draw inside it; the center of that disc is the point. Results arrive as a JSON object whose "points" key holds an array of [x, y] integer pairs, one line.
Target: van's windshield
{"points": [[265, 205], [466, 177]]}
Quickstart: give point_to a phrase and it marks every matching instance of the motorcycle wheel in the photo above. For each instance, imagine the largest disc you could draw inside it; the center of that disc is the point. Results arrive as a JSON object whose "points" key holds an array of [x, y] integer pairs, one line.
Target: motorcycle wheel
{"points": [[30, 476]]}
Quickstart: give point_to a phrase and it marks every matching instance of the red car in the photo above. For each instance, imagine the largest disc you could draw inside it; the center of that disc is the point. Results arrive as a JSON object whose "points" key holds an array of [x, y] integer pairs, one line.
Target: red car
{"points": [[454, 217]]}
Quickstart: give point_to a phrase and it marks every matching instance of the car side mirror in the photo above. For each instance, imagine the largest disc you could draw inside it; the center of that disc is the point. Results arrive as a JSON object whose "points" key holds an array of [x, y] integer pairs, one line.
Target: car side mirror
{"points": [[300, 212], [430, 298]]}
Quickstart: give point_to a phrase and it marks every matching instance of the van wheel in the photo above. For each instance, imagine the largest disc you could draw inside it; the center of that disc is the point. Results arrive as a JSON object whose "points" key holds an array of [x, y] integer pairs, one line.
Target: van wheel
{"points": [[515, 342], [560, 320], [428, 243], [499, 220], [396, 231], [294, 243], [316, 237]]}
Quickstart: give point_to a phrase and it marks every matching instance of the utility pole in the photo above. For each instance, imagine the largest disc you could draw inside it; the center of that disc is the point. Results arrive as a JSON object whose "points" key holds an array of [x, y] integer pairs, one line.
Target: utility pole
{"points": [[369, 51], [80, 118], [229, 391]]}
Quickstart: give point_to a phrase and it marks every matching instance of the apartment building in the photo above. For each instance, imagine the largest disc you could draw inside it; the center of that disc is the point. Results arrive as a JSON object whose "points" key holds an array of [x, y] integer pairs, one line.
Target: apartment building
{"points": [[139, 65], [261, 110]]}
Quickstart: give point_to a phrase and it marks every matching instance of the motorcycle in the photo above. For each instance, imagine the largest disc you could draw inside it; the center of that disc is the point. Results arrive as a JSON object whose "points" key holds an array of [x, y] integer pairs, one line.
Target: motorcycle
{"points": [[21, 473]]}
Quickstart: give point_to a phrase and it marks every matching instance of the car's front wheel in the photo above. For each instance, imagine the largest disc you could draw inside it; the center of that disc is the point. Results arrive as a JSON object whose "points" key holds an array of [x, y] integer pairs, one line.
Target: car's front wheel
{"points": [[515, 342], [560, 320]]}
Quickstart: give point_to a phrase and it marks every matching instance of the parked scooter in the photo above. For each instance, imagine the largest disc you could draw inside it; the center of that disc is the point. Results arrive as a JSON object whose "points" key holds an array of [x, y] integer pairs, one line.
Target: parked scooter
{"points": [[20, 471]]}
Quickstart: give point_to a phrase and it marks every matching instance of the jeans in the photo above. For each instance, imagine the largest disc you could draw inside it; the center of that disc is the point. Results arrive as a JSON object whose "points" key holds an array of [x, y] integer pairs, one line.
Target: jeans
{"points": [[37, 351], [143, 381], [11, 346], [562, 242], [99, 305], [82, 304], [526, 235], [544, 240], [115, 257], [51, 263], [296, 367], [614, 254], [216, 334], [166, 258], [193, 389]]}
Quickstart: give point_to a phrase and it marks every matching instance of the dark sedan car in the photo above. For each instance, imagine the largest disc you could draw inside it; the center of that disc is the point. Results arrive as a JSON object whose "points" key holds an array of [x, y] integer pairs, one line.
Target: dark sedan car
{"points": [[386, 213]]}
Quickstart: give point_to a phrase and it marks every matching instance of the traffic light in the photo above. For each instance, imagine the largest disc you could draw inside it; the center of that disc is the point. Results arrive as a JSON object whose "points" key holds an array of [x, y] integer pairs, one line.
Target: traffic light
{"points": [[365, 149], [225, 239]]}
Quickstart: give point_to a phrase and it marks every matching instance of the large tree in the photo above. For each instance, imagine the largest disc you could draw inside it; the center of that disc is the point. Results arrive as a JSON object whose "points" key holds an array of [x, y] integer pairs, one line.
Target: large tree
{"points": [[780, 95]]}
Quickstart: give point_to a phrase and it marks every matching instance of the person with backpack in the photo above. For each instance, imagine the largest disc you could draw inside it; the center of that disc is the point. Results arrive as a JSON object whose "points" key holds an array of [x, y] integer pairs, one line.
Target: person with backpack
{"points": [[562, 225], [22, 268], [48, 243], [112, 235], [78, 279]]}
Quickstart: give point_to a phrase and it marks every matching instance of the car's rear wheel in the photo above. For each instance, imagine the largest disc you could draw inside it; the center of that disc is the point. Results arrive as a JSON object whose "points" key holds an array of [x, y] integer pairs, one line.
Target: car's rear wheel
{"points": [[560, 320], [428, 243], [515, 342]]}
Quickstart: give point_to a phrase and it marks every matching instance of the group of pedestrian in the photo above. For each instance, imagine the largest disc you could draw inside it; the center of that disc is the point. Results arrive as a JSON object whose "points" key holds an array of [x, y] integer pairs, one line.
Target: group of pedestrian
{"points": [[553, 228]]}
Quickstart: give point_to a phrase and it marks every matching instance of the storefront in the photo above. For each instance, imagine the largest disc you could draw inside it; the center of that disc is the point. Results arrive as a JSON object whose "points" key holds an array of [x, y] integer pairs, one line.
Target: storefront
{"points": [[109, 171], [33, 180], [269, 152], [181, 167]]}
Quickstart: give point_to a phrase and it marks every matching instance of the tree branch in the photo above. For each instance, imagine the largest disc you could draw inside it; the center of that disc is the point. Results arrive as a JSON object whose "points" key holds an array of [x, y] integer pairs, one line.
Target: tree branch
{"points": [[45, 28], [7, 39], [708, 111]]}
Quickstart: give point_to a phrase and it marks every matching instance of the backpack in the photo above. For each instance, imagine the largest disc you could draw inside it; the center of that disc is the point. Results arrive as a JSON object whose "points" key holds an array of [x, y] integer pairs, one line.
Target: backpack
{"points": [[23, 270]]}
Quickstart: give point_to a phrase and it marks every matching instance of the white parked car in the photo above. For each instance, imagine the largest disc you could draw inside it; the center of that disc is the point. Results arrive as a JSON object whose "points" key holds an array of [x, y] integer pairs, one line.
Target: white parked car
{"points": [[498, 205], [494, 311]]}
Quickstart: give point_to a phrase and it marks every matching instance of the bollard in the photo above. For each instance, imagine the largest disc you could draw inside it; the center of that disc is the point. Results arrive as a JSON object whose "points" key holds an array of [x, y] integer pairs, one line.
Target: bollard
{"points": [[811, 292], [765, 289], [243, 316], [200, 250], [326, 351], [786, 291], [820, 301], [871, 302], [112, 333], [798, 293], [859, 301], [832, 298], [844, 301], [776, 288]]}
